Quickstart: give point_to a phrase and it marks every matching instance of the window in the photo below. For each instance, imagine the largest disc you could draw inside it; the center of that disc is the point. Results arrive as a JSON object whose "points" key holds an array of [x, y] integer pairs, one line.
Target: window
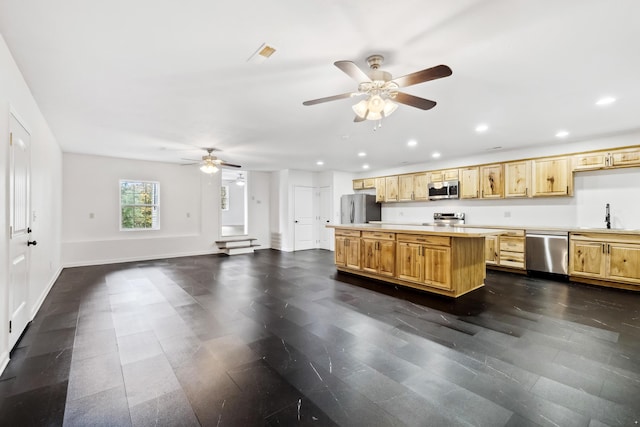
{"points": [[224, 198], [139, 205]]}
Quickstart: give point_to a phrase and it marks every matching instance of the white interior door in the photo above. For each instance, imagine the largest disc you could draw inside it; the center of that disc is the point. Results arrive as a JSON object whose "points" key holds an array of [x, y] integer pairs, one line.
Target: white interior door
{"points": [[303, 218], [19, 198], [325, 218]]}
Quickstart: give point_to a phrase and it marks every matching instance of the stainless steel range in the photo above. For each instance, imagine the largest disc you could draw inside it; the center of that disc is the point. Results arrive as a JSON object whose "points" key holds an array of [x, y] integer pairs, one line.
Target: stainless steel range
{"points": [[448, 218]]}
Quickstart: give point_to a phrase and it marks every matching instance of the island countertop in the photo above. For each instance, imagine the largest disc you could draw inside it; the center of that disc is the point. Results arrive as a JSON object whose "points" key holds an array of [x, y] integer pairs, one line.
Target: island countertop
{"points": [[435, 230]]}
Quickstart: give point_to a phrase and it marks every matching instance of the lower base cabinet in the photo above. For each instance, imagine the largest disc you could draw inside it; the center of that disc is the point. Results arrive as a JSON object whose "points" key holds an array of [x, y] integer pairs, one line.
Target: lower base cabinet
{"points": [[607, 257], [378, 253], [425, 260], [347, 248]]}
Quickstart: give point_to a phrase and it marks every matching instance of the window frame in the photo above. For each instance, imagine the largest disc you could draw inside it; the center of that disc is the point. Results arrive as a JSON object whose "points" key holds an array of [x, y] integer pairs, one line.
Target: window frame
{"points": [[224, 197], [156, 205]]}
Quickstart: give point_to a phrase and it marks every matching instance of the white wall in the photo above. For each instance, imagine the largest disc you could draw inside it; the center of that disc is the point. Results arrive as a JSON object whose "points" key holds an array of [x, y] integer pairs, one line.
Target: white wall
{"points": [[46, 193], [235, 214], [259, 207], [189, 211]]}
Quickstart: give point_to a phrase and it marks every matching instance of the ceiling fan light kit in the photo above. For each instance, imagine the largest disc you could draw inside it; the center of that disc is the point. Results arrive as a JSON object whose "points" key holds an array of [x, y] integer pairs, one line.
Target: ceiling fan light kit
{"points": [[209, 167], [382, 90]]}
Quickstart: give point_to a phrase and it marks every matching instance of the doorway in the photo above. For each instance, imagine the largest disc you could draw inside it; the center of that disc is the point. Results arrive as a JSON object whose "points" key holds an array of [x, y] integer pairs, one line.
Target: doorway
{"points": [[233, 204], [19, 228], [303, 218]]}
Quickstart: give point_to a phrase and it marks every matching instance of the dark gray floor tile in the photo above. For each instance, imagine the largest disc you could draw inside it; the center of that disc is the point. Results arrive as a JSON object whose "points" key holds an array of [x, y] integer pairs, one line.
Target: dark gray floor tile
{"points": [[93, 375], [105, 408], [148, 379], [171, 409]]}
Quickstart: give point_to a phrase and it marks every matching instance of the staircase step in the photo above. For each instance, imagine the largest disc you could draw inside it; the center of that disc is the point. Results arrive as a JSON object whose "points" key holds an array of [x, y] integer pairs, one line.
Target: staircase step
{"points": [[235, 243]]}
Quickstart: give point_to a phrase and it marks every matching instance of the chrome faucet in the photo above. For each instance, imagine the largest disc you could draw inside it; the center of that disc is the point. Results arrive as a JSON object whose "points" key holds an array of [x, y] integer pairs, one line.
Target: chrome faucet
{"points": [[607, 217]]}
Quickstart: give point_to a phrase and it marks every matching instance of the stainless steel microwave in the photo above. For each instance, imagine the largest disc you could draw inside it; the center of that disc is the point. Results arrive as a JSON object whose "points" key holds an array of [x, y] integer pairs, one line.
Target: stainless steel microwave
{"points": [[443, 190]]}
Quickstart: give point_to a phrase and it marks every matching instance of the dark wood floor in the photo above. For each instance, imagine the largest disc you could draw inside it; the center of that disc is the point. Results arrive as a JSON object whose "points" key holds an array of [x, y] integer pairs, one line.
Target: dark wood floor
{"points": [[282, 339]]}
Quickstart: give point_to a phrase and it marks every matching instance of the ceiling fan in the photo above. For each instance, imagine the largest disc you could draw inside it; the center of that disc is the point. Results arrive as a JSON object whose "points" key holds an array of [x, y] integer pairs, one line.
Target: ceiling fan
{"points": [[382, 90], [211, 164]]}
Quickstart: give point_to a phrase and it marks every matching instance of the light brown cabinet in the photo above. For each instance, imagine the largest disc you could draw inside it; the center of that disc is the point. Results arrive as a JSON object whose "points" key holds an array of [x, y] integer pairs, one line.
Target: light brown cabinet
{"points": [[358, 184], [412, 187], [517, 176], [512, 251], [551, 177], [363, 184], [391, 189], [469, 183], [444, 175], [381, 190], [492, 250], [378, 253], [491, 182], [347, 248], [425, 260], [619, 158], [609, 257]]}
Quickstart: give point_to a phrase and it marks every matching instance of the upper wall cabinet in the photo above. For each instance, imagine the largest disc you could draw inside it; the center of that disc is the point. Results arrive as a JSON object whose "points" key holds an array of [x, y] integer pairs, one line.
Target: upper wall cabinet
{"points": [[362, 184], [380, 190], [491, 182], [517, 176], [412, 187], [469, 183], [622, 158], [552, 177], [443, 175], [391, 189]]}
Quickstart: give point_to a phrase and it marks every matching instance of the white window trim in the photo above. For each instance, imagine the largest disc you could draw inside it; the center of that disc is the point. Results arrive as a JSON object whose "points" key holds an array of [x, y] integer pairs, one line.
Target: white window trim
{"points": [[157, 205]]}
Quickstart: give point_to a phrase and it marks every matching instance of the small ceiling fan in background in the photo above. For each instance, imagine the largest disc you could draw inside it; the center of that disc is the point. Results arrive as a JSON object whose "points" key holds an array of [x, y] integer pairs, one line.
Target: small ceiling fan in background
{"points": [[210, 163], [382, 90]]}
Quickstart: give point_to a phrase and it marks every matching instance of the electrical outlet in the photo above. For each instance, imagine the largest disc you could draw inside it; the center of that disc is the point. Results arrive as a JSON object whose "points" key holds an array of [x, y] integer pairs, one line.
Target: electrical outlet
{"points": [[91, 215], [507, 214]]}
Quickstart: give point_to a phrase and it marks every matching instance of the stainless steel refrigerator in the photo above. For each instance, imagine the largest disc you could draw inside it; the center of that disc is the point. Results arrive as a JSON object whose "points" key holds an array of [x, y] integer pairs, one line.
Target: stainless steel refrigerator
{"points": [[359, 209]]}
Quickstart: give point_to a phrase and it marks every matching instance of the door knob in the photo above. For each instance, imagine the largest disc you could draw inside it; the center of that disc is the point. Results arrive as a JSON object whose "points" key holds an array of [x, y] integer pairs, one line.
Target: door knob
{"points": [[31, 242], [296, 221], [28, 229], [328, 221]]}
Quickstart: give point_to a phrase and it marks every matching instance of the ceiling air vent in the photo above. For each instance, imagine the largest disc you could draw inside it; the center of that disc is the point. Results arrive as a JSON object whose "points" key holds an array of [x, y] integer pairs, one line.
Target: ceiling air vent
{"points": [[264, 52]]}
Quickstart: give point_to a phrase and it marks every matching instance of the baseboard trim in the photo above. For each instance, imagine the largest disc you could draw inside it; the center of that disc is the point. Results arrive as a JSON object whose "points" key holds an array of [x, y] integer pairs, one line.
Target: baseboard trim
{"points": [[45, 292], [4, 361], [138, 258]]}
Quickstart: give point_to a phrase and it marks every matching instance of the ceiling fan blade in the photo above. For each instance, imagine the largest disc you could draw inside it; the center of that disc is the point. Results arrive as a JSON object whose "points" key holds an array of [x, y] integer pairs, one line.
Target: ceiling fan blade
{"points": [[414, 101], [425, 75], [231, 165], [329, 98], [353, 71], [359, 119]]}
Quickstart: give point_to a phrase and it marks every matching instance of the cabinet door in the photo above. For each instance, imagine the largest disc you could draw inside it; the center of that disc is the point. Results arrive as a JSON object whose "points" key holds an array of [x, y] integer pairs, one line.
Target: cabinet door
{"points": [[491, 249], [409, 262], [369, 183], [405, 191], [386, 258], [450, 174], [590, 161], [353, 253], [491, 182], [624, 262], [369, 255], [630, 157], [436, 176], [391, 193], [587, 258], [380, 190], [469, 183], [420, 190], [358, 184], [551, 177], [517, 177], [437, 266], [340, 253]]}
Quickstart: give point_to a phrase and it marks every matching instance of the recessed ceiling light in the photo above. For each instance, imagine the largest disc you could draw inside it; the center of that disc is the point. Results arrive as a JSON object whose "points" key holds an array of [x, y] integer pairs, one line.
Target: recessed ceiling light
{"points": [[412, 143], [606, 100], [482, 128], [319, 163], [362, 154], [365, 166], [435, 155], [562, 134]]}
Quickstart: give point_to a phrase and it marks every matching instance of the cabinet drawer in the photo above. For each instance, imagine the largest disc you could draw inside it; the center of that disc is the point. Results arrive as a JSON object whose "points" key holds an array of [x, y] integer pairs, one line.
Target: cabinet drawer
{"points": [[514, 233], [350, 233], [512, 244], [512, 259], [427, 240], [379, 235]]}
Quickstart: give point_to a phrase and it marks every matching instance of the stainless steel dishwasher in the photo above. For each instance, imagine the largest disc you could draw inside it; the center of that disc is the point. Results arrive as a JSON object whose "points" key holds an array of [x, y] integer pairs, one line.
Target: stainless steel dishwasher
{"points": [[547, 251]]}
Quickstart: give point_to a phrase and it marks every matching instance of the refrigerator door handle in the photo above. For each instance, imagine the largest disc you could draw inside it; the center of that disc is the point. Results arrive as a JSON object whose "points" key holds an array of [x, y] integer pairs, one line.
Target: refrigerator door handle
{"points": [[353, 211]]}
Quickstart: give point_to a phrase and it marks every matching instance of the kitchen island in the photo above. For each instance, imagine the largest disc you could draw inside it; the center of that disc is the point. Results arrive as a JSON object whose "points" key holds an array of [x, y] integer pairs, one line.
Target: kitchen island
{"points": [[444, 260]]}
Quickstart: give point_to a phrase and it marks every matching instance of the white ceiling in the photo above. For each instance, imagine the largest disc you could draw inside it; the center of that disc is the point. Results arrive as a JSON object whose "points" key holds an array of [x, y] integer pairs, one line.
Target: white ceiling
{"points": [[154, 79]]}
